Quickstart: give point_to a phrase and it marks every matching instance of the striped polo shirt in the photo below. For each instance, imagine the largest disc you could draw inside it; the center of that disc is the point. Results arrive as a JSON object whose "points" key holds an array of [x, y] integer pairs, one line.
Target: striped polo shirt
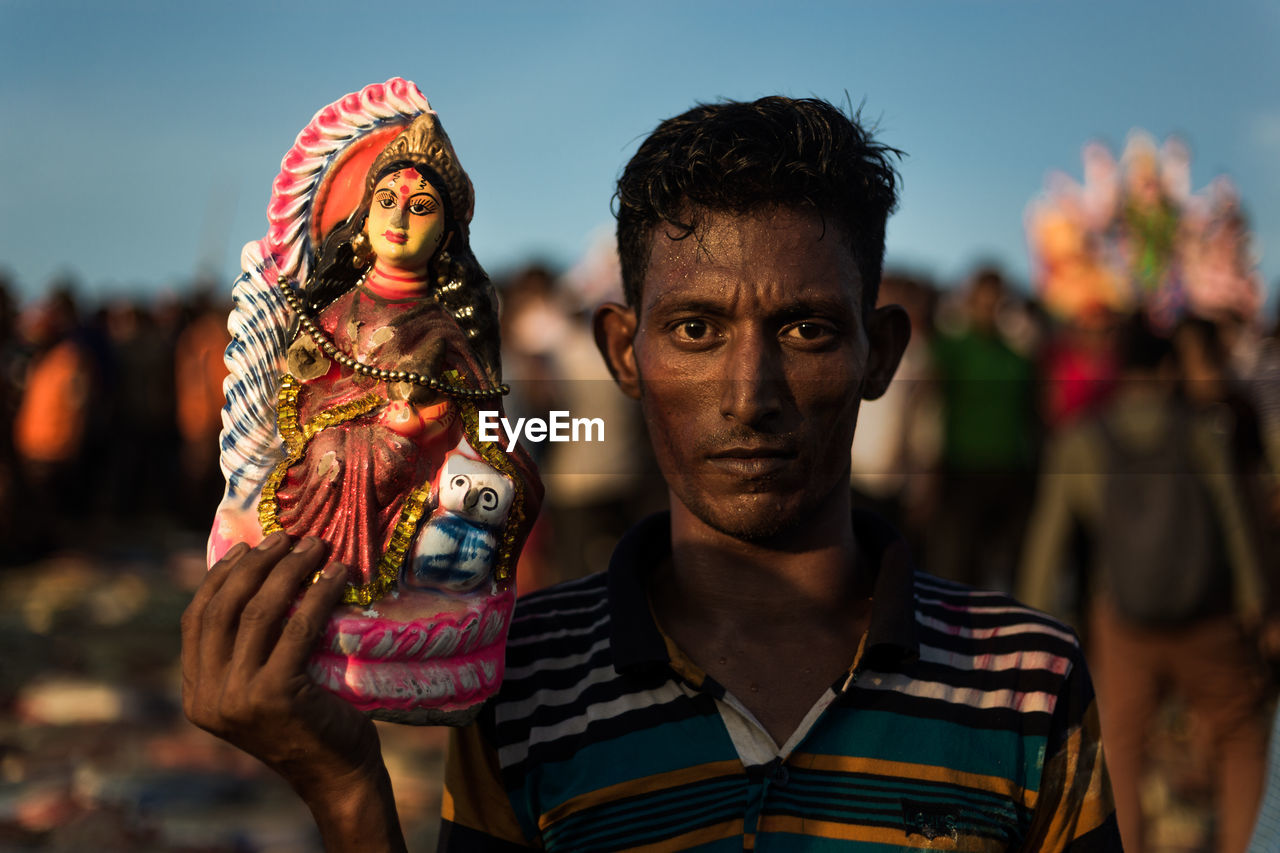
{"points": [[965, 722]]}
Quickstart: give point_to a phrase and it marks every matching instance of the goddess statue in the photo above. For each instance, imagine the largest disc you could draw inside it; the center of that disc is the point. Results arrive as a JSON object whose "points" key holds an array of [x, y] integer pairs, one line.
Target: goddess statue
{"points": [[352, 409]]}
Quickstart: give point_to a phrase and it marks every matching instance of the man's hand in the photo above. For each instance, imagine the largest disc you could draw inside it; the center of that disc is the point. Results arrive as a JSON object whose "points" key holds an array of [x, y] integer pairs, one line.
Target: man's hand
{"points": [[244, 679]]}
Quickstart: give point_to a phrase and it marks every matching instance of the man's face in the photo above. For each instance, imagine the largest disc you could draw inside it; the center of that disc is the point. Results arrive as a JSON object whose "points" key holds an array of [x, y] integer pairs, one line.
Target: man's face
{"points": [[749, 356]]}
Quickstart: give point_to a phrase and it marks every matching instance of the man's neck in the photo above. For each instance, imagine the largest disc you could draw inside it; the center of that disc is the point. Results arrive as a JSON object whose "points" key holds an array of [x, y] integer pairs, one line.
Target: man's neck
{"points": [[775, 622]]}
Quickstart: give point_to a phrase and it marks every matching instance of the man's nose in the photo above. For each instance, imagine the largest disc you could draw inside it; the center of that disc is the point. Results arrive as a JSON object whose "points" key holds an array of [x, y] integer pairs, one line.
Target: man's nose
{"points": [[755, 382]]}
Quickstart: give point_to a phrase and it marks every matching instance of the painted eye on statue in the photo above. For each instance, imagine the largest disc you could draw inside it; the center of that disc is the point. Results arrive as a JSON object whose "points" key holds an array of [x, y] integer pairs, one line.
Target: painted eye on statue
{"points": [[423, 205], [488, 499], [385, 199], [461, 482]]}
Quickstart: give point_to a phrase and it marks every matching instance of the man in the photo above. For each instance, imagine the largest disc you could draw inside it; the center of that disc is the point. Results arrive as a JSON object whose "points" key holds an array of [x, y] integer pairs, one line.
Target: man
{"points": [[753, 670]]}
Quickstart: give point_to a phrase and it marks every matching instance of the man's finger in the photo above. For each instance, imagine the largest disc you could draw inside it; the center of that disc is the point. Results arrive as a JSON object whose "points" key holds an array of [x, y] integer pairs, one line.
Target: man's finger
{"points": [[263, 616], [213, 581], [306, 624], [220, 620], [193, 619]]}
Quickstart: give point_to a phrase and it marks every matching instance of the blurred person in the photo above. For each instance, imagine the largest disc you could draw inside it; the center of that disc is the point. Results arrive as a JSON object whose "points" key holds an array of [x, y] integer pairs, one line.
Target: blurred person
{"points": [[9, 349], [1077, 377], [988, 443], [1251, 360], [759, 647], [899, 436], [199, 371], [1078, 368], [97, 458], [141, 476], [1178, 577], [595, 489], [1243, 413], [1213, 385], [1238, 389], [53, 413], [1255, 359], [531, 322]]}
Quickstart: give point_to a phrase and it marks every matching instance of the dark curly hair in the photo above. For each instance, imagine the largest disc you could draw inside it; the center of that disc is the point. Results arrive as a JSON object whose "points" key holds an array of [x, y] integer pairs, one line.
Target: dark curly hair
{"points": [[737, 157]]}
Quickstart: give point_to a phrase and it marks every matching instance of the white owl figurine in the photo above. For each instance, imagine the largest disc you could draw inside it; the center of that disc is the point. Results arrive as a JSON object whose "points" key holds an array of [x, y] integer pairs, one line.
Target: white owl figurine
{"points": [[456, 547]]}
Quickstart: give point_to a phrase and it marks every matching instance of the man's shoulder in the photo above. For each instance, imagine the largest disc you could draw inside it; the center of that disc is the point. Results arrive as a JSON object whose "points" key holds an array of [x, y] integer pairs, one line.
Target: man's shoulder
{"points": [[953, 616], [558, 622], [569, 600]]}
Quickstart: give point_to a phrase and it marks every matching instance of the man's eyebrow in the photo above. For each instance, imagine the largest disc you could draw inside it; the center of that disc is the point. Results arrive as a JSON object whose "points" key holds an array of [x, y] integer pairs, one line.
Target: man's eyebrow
{"points": [[808, 307], [797, 309], [681, 302]]}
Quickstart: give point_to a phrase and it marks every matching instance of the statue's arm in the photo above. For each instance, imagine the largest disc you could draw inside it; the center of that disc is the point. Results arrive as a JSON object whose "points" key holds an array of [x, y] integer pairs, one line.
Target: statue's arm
{"points": [[244, 679]]}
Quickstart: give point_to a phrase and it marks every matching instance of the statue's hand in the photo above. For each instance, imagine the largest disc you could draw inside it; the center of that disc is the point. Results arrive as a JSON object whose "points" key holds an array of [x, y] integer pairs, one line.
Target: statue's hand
{"points": [[419, 423], [244, 679], [401, 417]]}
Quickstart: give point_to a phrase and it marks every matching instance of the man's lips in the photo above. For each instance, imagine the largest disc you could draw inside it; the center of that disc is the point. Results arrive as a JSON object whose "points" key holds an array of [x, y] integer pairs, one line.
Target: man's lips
{"points": [[752, 460], [394, 237]]}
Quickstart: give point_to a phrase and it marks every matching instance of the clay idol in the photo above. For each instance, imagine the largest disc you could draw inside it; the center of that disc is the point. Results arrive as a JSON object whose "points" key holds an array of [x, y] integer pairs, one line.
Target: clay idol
{"points": [[365, 342]]}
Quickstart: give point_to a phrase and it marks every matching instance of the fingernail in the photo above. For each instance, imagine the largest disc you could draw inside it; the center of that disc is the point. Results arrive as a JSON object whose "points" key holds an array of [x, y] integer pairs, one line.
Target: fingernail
{"points": [[305, 545], [333, 570], [272, 541], [236, 551]]}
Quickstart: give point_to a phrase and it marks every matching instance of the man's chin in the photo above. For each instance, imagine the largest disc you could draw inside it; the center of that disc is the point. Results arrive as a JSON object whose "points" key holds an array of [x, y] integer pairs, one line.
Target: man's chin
{"points": [[748, 518]]}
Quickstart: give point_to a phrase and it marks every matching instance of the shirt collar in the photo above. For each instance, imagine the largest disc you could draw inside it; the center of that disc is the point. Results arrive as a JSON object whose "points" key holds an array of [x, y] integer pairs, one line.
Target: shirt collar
{"points": [[637, 642]]}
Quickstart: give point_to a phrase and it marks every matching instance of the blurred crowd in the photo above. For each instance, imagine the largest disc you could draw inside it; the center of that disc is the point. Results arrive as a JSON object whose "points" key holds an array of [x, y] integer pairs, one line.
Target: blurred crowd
{"points": [[1121, 470], [109, 415]]}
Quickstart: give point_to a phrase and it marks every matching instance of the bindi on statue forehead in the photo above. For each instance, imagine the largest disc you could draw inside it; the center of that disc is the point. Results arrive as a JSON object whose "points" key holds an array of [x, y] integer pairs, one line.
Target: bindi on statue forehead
{"points": [[404, 178], [410, 175]]}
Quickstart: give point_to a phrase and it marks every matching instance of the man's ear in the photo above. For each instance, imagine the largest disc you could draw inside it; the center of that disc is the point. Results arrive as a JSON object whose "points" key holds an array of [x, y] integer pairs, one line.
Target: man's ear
{"points": [[615, 330], [888, 331]]}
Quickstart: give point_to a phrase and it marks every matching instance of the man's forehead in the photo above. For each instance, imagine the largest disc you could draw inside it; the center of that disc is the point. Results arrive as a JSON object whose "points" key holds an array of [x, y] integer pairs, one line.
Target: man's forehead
{"points": [[795, 248]]}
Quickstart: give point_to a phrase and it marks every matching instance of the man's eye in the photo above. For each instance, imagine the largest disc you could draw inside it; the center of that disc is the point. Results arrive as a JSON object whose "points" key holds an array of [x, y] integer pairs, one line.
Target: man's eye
{"points": [[693, 330], [809, 331]]}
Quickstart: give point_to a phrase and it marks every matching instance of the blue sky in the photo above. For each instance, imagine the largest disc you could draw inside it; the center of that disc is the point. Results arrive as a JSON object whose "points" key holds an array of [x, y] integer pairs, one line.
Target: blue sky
{"points": [[139, 139]]}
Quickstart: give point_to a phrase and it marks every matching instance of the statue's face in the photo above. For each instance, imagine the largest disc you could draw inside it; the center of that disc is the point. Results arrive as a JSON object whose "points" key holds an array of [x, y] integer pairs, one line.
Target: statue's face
{"points": [[406, 220]]}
